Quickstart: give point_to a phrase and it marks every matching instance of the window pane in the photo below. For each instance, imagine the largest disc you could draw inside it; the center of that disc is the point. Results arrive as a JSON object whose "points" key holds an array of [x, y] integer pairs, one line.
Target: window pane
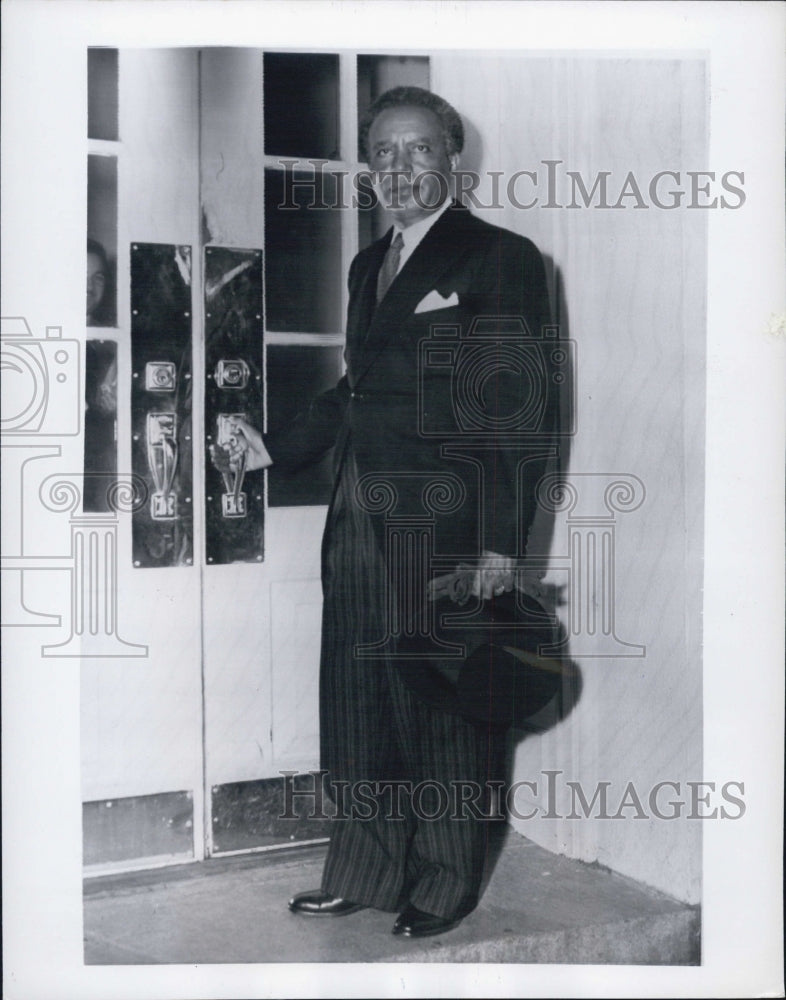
{"points": [[301, 105], [102, 93], [101, 240], [303, 259], [294, 376], [100, 423]]}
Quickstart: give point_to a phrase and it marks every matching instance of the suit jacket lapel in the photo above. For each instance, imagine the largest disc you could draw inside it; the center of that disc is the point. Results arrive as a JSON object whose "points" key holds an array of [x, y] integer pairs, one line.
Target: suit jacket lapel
{"points": [[433, 256], [367, 292], [362, 303]]}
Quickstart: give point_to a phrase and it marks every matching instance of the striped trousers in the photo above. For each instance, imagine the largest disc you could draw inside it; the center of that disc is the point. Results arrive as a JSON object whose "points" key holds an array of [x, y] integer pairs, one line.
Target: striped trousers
{"points": [[374, 732]]}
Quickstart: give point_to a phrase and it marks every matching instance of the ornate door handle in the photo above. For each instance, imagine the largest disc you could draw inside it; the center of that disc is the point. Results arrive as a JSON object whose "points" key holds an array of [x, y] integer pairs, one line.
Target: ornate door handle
{"points": [[233, 500], [162, 462]]}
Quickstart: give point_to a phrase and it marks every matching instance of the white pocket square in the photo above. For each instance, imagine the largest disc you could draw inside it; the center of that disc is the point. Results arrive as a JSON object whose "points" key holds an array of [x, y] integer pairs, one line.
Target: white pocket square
{"points": [[436, 301]]}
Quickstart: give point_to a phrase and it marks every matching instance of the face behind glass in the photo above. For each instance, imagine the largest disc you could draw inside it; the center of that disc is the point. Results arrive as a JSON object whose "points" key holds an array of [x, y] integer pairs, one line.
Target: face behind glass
{"points": [[407, 152], [96, 283]]}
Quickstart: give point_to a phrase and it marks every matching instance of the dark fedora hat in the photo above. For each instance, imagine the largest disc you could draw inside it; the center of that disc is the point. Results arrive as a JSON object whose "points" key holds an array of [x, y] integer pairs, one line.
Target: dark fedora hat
{"points": [[495, 662]]}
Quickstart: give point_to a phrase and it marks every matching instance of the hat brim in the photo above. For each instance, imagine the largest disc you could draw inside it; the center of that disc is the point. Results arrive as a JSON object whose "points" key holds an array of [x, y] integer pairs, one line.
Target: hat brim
{"points": [[507, 674]]}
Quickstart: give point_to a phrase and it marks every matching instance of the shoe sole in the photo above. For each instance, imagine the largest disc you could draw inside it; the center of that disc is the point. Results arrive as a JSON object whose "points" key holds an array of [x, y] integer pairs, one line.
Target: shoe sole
{"points": [[327, 913], [407, 932]]}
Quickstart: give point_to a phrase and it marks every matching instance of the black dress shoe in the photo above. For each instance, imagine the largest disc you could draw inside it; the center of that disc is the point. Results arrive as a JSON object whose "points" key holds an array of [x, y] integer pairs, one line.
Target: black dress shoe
{"points": [[415, 923], [321, 904]]}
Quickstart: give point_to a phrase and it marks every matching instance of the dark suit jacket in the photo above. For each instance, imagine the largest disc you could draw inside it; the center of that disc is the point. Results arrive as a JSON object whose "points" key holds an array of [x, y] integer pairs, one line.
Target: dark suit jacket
{"points": [[464, 394]]}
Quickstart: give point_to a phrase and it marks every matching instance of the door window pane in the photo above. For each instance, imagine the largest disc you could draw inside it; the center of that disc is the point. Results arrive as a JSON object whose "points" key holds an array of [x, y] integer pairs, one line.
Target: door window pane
{"points": [[100, 424], [102, 93], [101, 240], [294, 376], [301, 105], [303, 260]]}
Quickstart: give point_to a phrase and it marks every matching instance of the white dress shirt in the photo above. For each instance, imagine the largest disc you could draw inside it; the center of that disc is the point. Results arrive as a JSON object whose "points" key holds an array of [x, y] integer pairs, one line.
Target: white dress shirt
{"points": [[413, 234]]}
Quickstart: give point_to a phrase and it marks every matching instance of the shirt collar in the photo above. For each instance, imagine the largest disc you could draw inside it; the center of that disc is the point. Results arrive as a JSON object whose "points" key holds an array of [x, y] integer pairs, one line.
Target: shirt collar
{"points": [[413, 234]]}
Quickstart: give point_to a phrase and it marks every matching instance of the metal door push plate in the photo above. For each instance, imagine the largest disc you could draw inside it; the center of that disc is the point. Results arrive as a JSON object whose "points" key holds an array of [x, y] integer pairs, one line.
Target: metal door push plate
{"points": [[161, 402], [234, 363]]}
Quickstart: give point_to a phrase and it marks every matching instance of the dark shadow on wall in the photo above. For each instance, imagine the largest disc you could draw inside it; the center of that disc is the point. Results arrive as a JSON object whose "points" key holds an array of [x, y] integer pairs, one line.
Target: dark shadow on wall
{"points": [[565, 699], [472, 162], [541, 539]]}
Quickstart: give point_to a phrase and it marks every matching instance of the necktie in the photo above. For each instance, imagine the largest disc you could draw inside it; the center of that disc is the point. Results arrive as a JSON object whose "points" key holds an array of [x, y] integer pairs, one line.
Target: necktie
{"points": [[389, 268]]}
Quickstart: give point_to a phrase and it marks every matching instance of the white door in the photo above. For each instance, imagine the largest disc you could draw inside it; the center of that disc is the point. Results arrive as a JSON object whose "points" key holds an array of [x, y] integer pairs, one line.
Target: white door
{"points": [[184, 748]]}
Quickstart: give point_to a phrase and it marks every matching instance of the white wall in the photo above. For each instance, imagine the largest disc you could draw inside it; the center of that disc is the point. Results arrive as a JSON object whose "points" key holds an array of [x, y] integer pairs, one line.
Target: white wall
{"points": [[633, 285]]}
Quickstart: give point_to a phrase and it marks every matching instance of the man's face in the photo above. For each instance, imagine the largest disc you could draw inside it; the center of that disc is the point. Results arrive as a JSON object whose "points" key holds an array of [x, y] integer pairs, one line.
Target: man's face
{"points": [[407, 152], [96, 282]]}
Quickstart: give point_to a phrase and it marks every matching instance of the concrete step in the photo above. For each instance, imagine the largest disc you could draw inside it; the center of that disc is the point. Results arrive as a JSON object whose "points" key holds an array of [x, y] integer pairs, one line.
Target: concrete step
{"points": [[538, 907]]}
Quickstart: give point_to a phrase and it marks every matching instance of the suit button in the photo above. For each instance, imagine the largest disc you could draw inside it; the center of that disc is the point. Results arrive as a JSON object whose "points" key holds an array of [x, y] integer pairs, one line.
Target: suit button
{"points": [[352, 394]]}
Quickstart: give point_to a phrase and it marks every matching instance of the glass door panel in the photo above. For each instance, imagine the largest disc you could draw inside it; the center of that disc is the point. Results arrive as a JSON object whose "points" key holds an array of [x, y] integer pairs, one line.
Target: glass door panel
{"points": [[301, 94], [303, 264], [102, 94]]}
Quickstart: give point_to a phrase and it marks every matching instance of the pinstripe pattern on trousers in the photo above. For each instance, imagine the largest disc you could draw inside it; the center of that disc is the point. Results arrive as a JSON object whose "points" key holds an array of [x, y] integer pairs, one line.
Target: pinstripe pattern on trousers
{"points": [[373, 729]]}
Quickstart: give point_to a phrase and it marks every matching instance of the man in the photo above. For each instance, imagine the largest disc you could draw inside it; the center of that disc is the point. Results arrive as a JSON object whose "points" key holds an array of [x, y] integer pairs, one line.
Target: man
{"points": [[412, 446]]}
